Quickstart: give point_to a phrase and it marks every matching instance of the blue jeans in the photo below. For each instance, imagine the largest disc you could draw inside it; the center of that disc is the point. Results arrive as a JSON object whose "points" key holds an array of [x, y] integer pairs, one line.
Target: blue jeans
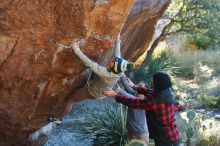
{"points": [[166, 143]]}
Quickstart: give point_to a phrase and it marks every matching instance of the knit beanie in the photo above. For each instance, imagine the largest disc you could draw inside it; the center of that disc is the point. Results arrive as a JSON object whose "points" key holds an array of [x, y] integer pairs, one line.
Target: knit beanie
{"points": [[120, 65], [161, 81]]}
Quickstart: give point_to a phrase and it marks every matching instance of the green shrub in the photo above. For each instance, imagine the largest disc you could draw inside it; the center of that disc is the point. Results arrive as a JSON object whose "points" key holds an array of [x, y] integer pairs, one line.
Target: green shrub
{"points": [[105, 128], [200, 41], [212, 141], [204, 142], [162, 61], [211, 101]]}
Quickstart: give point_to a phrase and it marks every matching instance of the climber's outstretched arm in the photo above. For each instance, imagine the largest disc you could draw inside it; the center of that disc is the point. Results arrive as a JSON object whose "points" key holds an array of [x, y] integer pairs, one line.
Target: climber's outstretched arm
{"points": [[127, 88], [95, 67], [117, 48]]}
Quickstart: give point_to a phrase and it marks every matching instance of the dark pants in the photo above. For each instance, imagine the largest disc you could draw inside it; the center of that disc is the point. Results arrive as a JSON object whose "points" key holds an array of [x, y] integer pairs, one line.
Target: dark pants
{"points": [[166, 143]]}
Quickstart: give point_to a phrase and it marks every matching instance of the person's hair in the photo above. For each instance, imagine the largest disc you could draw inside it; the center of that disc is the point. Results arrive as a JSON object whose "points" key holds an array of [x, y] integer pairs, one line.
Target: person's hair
{"points": [[130, 66], [137, 143], [161, 81]]}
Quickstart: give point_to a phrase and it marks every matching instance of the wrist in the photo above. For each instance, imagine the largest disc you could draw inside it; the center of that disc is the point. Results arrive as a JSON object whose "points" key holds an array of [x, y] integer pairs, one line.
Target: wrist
{"points": [[135, 87], [74, 49], [135, 93]]}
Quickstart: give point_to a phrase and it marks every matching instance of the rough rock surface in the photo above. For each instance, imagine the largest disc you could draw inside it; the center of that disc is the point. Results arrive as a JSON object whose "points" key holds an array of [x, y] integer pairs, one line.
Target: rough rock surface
{"points": [[35, 77]]}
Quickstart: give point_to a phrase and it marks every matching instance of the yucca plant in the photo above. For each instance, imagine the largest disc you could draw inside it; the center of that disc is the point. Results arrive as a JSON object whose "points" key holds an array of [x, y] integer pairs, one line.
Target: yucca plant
{"points": [[105, 127]]}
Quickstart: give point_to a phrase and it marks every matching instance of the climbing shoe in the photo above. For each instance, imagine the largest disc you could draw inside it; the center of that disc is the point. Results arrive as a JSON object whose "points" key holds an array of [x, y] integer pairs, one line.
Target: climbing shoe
{"points": [[55, 120]]}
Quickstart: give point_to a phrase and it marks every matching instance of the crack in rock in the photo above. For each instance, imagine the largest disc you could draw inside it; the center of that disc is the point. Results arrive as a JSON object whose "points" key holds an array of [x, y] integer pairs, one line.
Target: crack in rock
{"points": [[41, 88], [36, 55], [60, 48], [9, 55]]}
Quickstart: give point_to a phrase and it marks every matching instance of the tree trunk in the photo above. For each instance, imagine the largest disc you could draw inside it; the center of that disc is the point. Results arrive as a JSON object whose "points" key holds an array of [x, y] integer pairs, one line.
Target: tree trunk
{"points": [[154, 45], [151, 51]]}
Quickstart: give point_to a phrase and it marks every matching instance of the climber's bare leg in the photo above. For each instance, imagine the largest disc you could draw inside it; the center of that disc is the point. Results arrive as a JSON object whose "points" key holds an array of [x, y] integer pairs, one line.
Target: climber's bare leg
{"points": [[82, 94], [77, 96]]}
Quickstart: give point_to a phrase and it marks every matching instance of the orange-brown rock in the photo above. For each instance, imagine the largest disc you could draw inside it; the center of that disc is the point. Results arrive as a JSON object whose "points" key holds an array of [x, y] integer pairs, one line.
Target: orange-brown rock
{"points": [[35, 77]]}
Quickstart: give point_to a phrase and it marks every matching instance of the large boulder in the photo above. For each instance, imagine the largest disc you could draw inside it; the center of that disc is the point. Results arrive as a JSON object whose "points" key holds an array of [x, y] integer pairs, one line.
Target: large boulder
{"points": [[36, 77]]}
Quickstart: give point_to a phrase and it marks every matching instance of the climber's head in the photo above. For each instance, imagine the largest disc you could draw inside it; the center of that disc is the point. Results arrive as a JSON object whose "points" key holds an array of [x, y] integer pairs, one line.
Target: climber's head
{"points": [[119, 65], [160, 81]]}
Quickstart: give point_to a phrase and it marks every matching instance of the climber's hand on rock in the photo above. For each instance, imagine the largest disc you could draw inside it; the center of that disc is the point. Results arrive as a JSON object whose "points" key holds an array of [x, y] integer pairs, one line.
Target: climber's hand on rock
{"points": [[74, 45], [109, 92], [61, 46]]}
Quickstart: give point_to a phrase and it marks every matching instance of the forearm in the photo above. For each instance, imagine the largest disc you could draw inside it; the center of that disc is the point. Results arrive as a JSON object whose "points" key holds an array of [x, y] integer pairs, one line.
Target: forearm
{"points": [[133, 102], [117, 49], [126, 86], [95, 67], [142, 90], [83, 57], [124, 93]]}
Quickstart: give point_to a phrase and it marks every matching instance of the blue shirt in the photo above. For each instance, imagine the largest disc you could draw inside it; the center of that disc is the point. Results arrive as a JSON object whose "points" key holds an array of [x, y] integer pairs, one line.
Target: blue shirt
{"points": [[136, 119]]}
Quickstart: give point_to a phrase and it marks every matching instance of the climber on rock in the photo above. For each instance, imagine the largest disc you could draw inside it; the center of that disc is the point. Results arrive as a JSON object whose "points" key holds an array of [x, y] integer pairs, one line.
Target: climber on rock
{"points": [[103, 77]]}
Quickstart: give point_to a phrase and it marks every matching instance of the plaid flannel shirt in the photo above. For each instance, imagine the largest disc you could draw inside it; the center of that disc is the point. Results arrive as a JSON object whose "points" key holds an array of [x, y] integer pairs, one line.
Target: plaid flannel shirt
{"points": [[160, 116]]}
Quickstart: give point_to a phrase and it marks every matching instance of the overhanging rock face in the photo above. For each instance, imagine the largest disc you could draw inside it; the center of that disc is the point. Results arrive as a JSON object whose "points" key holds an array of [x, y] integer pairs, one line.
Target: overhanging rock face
{"points": [[35, 76]]}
